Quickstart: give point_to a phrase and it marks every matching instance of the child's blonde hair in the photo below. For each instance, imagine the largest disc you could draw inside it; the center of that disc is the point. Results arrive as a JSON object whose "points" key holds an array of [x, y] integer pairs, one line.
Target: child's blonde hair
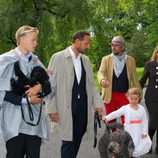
{"points": [[22, 31], [134, 91]]}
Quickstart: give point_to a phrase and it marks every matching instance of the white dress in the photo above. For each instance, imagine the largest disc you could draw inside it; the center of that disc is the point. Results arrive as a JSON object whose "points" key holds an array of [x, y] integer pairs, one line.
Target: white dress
{"points": [[136, 123]]}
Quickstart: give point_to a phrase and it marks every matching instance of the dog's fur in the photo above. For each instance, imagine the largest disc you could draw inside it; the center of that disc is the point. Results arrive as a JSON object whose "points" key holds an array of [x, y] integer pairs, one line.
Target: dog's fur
{"points": [[38, 75], [118, 144]]}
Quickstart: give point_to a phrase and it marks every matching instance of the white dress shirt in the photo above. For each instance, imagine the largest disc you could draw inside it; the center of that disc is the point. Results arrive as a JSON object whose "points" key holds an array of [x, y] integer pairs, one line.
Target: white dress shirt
{"points": [[22, 56], [77, 64]]}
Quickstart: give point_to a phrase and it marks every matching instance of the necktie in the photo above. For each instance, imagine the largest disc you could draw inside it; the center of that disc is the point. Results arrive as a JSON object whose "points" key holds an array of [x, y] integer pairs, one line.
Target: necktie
{"points": [[29, 59]]}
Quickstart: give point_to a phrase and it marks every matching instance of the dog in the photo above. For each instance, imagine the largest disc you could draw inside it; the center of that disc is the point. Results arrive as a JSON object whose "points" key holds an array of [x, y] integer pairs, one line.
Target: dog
{"points": [[38, 75], [117, 144], [19, 87]]}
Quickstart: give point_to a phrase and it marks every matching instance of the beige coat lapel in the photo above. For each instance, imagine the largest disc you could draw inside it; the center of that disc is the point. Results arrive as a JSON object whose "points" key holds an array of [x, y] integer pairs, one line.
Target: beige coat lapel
{"points": [[69, 69], [84, 64], [87, 69]]}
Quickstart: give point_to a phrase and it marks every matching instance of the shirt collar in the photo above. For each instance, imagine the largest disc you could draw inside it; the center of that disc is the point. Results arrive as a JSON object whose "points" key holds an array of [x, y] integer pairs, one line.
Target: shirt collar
{"points": [[73, 54], [22, 56]]}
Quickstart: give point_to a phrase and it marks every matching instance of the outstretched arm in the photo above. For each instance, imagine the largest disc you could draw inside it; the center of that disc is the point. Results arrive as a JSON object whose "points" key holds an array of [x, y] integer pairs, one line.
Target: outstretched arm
{"points": [[145, 76]]}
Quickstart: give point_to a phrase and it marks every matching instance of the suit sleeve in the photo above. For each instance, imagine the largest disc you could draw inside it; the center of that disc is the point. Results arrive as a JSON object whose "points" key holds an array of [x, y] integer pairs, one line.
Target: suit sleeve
{"points": [[145, 76], [13, 98]]}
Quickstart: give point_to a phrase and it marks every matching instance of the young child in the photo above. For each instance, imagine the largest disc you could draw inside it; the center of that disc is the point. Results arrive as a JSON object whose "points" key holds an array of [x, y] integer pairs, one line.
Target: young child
{"points": [[136, 122]]}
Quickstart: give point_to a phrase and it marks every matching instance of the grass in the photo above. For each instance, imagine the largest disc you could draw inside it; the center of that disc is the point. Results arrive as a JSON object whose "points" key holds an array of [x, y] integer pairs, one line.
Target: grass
{"points": [[140, 72]]}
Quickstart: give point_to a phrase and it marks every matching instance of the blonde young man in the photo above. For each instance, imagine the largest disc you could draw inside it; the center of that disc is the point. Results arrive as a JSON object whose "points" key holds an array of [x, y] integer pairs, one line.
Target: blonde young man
{"points": [[22, 136], [117, 73], [76, 93]]}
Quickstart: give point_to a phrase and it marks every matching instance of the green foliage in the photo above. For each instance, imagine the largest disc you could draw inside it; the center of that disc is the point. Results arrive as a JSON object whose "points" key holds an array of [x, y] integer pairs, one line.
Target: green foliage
{"points": [[136, 48], [58, 19], [140, 72], [97, 83]]}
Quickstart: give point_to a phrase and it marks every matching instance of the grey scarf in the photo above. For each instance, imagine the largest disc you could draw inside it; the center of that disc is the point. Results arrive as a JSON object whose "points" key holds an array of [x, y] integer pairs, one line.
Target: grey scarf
{"points": [[119, 63]]}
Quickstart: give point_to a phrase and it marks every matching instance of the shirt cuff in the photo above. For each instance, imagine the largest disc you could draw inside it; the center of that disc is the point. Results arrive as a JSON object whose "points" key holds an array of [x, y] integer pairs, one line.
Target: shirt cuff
{"points": [[24, 101]]}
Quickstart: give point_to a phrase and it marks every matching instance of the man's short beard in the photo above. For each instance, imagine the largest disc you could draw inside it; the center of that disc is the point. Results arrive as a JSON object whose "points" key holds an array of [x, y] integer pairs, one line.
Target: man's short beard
{"points": [[115, 53], [82, 51]]}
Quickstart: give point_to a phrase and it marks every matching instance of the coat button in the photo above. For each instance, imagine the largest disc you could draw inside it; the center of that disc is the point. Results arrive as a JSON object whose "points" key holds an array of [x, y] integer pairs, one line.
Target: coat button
{"points": [[156, 80], [156, 86], [156, 73], [156, 67]]}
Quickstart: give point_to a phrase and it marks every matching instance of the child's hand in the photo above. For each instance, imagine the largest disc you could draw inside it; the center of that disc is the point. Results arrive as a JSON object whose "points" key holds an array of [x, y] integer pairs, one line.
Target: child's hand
{"points": [[104, 119], [144, 136]]}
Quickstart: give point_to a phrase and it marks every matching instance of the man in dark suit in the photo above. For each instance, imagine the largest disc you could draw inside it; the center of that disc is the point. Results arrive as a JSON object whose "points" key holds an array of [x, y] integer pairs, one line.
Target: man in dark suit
{"points": [[76, 93]]}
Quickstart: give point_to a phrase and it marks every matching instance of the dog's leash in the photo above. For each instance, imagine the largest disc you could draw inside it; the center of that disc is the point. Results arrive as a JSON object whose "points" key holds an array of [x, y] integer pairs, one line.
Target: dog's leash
{"points": [[31, 113], [108, 127], [97, 122]]}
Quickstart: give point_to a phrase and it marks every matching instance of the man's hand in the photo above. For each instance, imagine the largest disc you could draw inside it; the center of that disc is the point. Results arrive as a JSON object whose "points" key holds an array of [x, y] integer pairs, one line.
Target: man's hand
{"points": [[32, 91], [53, 117], [104, 83], [35, 99], [100, 111], [104, 119]]}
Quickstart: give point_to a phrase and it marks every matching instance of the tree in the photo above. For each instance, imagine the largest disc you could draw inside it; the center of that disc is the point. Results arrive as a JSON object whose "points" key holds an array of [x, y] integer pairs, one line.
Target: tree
{"points": [[58, 19], [136, 48]]}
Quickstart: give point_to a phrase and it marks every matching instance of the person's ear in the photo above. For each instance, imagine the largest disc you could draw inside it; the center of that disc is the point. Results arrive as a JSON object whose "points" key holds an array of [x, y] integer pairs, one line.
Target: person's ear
{"points": [[22, 39], [78, 41]]}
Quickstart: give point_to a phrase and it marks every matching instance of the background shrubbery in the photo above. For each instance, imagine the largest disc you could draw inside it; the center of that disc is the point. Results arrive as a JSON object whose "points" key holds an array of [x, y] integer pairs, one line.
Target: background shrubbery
{"points": [[135, 20]]}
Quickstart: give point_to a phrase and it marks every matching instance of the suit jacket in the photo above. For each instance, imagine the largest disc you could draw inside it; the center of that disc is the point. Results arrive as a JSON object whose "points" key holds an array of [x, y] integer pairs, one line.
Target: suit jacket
{"points": [[62, 78], [106, 72], [151, 73]]}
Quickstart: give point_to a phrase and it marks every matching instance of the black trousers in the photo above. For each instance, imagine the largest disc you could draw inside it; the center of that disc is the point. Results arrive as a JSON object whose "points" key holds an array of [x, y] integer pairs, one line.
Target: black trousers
{"points": [[151, 134], [69, 149], [23, 146]]}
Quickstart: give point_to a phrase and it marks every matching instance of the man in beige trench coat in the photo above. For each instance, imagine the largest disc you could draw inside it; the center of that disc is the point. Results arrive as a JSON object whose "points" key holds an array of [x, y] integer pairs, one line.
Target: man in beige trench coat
{"points": [[76, 93]]}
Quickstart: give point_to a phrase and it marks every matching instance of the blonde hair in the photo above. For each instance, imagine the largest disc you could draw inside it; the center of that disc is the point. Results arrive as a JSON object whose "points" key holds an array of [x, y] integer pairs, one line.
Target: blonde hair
{"points": [[134, 91], [154, 56], [22, 31]]}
